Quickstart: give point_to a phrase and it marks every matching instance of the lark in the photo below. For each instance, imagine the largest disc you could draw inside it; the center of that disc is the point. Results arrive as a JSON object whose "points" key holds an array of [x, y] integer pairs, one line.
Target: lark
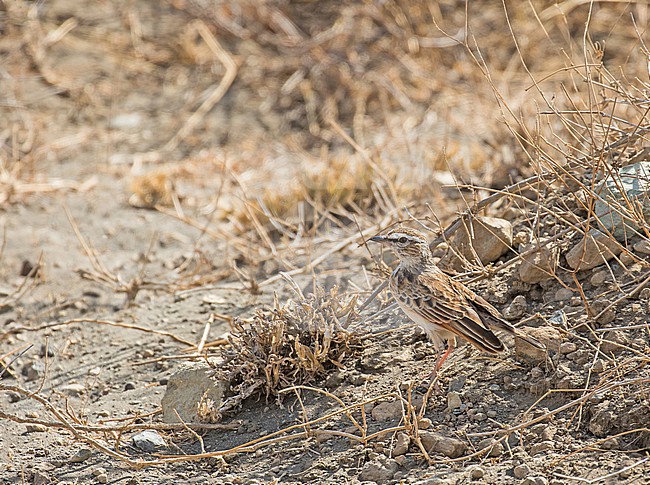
{"points": [[444, 308]]}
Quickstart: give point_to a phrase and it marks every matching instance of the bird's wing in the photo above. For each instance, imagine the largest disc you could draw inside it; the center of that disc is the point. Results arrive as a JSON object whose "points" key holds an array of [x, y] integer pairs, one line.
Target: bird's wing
{"points": [[494, 317], [437, 299]]}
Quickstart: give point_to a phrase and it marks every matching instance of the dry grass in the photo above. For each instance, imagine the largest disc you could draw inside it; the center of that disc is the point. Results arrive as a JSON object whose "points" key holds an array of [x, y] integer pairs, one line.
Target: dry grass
{"points": [[290, 344]]}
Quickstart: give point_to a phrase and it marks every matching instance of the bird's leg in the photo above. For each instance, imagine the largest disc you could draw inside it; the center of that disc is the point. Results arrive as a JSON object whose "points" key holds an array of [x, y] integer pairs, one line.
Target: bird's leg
{"points": [[441, 360], [433, 375]]}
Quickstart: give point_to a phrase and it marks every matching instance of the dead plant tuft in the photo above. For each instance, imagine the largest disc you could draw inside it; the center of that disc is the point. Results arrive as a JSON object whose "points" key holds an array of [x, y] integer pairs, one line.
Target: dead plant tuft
{"points": [[288, 345]]}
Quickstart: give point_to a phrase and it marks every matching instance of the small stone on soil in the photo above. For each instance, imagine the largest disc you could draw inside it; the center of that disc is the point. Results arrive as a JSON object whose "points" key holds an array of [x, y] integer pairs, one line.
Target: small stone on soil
{"points": [[80, 456], [438, 443], [401, 444], [516, 309], [148, 440]]}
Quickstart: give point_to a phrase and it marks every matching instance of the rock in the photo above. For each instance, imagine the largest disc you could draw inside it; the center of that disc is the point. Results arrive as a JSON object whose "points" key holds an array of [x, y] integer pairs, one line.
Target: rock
{"points": [[535, 481], [599, 278], [453, 400], [386, 410], [185, 390], [401, 444], [549, 336], [592, 250], [81, 455], [33, 370], [438, 443], [643, 246], [378, 471], [541, 447], [476, 472], [424, 423], [457, 383], [35, 428], [148, 440], [630, 186], [73, 389], [563, 294], [521, 471], [567, 347], [600, 310], [492, 238], [40, 478], [538, 266], [494, 448], [614, 341], [129, 386], [517, 308]]}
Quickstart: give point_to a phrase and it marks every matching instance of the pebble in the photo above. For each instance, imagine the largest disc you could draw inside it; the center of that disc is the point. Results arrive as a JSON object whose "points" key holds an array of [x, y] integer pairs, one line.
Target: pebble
{"points": [[480, 417], [495, 448], [598, 366], [563, 294], [536, 373], [33, 370], [541, 447], [643, 246], [424, 423], [476, 473], [549, 336], [457, 383], [41, 478], [73, 389], [81, 455], [453, 400], [535, 481], [599, 278], [129, 386], [598, 307], [613, 340], [401, 444], [378, 471], [148, 440], [521, 471], [567, 347], [35, 428], [516, 309], [386, 410], [438, 443]]}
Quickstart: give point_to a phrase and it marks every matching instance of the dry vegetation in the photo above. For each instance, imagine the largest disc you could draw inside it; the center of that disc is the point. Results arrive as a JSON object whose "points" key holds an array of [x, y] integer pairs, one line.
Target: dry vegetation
{"points": [[277, 137]]}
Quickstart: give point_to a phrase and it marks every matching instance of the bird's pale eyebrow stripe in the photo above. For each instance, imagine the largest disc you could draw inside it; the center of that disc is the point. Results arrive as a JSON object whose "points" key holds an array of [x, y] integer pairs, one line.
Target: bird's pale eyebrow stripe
{"points": [[398, 235]]}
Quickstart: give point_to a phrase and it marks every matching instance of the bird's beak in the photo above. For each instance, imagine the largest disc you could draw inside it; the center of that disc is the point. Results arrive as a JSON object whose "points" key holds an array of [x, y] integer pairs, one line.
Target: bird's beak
{"points": [[379, 239]]}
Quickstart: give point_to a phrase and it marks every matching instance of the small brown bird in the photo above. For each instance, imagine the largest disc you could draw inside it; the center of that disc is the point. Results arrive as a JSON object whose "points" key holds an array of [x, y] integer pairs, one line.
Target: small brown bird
{"points": [[443, 307]]}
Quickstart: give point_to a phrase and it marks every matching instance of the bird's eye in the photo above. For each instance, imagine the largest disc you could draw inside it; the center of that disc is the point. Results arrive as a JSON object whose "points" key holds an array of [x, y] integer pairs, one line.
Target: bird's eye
{"points": [[402, 240]]}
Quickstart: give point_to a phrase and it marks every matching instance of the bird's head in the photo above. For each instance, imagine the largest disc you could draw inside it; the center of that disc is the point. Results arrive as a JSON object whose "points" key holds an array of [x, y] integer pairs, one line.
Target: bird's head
{"points": [[410, 246]]}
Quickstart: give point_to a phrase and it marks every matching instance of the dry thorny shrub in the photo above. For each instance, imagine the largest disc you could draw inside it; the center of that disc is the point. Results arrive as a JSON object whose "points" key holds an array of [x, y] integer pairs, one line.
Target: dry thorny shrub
{"points": [[287, 345]]}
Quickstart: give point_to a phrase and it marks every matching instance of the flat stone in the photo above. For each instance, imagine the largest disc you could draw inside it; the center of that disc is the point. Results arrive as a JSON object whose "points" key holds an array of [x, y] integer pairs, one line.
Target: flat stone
{"points": [[445, 445], [386, 410], [592, 250]]}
